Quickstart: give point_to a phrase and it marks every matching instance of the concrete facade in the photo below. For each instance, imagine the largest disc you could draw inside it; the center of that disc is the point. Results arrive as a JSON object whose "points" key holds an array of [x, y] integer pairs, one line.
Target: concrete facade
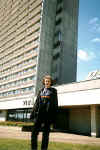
{"points": [[33, 43], [58, 41], [19, 44], [46, 40]]}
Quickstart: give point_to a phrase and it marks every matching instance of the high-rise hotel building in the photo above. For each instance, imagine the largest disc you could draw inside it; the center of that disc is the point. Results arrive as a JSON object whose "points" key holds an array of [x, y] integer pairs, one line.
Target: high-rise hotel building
{"points": [[37, 37]]}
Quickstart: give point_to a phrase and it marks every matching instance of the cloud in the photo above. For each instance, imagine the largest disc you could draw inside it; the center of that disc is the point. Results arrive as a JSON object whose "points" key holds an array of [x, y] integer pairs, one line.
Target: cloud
{"points": [[94, 24], [93, 20], [85, 56], [96, 40], [99, 28]]}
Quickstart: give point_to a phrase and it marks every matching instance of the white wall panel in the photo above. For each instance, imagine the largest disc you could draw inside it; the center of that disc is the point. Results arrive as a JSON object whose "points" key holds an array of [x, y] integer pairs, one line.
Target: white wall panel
{"points": [[87, 97], [16, 103]]}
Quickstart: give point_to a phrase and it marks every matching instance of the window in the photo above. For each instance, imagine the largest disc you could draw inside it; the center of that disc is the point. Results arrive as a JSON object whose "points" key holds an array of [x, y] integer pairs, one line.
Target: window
{"points": [[59, 1], [56, 44], [36, 48], [59, 36], [19, 115], [59, 10], [56, 56], [58, 21]]}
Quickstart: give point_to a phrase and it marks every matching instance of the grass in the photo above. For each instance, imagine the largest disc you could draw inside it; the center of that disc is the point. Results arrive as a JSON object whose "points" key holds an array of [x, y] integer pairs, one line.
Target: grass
{"points": [[15, 144]]}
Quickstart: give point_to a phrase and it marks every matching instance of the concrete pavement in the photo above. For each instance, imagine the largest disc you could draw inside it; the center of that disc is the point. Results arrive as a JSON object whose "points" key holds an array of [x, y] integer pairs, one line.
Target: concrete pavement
{"points": [[16, 133]]}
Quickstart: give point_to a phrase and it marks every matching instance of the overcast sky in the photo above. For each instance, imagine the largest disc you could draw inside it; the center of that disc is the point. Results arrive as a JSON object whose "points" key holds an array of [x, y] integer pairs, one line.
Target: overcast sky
{"points": [[88, 38]]}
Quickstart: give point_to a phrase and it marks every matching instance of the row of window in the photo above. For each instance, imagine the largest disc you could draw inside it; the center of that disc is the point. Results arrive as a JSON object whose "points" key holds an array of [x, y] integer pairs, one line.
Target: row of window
{"points": [[58, 21], [57, 39], [9, 55], [18, 74], [19, 91], [19, 115], [22, 56], [16, 36], [20, 65], [18, 82], [20, 10]]}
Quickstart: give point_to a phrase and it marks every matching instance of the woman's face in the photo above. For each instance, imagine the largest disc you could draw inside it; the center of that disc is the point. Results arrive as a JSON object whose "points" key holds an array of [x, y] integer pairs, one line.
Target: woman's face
{"points": [[47, 83]]}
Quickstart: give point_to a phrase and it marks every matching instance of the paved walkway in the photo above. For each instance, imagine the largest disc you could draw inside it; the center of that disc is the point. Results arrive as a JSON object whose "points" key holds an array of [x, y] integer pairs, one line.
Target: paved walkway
{"points": [[16, 133]]}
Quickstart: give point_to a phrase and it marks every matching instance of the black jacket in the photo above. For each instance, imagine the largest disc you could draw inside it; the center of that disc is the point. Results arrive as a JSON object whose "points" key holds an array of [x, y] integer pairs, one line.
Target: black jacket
{"points": [[51, 116]]}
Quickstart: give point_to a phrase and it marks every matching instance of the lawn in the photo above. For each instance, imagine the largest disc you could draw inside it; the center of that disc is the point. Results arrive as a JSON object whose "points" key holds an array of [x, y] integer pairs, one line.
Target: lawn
{"points": [[13, 144]]}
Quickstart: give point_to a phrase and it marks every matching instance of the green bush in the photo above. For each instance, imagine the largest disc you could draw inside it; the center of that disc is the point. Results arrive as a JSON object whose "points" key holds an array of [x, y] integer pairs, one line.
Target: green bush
{"points": [[13, 123]]}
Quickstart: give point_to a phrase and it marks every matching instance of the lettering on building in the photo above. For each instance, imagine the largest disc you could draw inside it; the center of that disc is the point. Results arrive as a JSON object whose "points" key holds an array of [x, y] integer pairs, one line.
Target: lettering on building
{"points": [[27, 102]]}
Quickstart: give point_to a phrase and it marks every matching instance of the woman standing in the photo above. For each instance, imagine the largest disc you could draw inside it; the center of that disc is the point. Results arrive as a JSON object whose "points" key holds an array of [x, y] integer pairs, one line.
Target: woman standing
{"points": [[44, 113]]}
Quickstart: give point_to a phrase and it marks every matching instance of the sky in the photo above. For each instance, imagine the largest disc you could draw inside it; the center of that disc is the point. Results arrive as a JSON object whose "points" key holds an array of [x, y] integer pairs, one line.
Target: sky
{"points": [[88, 53]]}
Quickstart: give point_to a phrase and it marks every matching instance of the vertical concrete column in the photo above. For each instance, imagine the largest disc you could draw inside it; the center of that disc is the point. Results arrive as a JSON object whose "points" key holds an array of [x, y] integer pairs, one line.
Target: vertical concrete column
{"points": [[46, 41], [69, 31], [93, 121], [3, 115], [95, 129]]}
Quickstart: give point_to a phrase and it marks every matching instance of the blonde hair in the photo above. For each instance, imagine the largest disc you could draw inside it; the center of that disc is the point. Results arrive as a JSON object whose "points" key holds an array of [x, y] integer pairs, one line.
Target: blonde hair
{"points": [[48, 77]]}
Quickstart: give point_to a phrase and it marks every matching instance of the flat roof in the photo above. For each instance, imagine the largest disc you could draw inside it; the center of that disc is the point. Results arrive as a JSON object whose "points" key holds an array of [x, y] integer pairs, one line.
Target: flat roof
{"points": [[79, 86]]}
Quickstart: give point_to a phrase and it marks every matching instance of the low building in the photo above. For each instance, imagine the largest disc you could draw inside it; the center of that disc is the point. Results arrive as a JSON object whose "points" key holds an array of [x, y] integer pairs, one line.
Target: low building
{"points": [[79, 107]]}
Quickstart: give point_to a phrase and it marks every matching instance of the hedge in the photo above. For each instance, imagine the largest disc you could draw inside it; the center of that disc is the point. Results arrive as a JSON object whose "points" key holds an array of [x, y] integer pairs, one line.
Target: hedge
{"points": [[13, 123]]}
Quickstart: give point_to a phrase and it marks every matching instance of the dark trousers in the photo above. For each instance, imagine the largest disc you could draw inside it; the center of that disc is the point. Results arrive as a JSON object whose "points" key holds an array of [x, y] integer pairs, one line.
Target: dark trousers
{"points": [[45, 135]]}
